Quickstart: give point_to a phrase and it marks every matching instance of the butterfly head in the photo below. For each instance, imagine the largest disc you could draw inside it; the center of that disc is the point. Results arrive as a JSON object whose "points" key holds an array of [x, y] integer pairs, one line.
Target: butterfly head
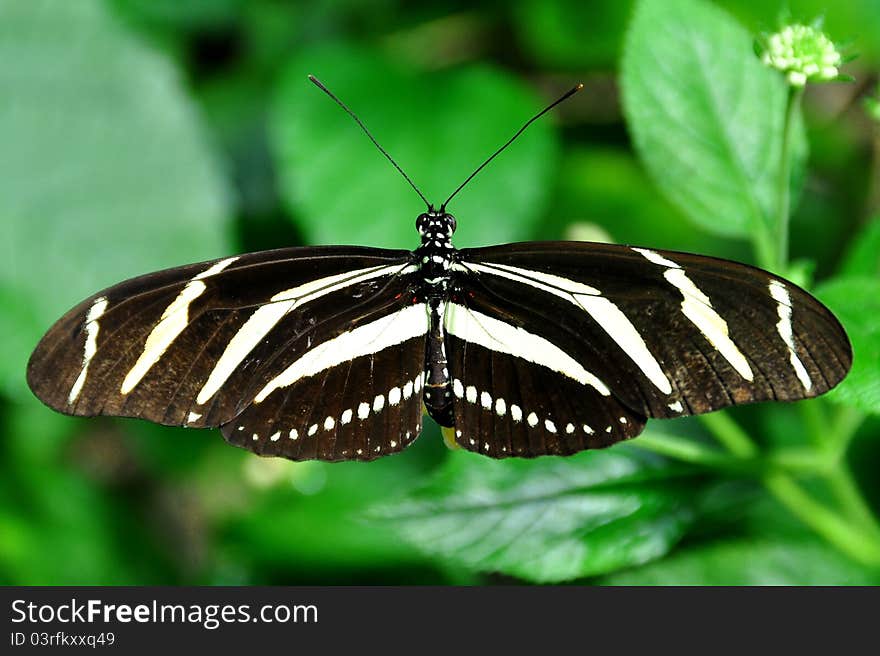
{"points": [[435, 226]]}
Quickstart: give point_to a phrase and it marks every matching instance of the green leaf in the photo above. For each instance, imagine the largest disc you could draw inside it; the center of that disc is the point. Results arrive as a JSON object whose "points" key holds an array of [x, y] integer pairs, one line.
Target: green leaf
{"points": [[856, 303], [438, 126], [863, 257], [750, 561], [705, 115], [550, 519], [105, 171]]}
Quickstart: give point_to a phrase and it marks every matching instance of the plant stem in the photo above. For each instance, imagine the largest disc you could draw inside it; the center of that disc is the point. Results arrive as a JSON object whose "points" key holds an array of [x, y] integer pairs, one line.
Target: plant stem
{"points": [[847, 493], [693, 452], [784, 183], [812, 412], [823, 521], [730, 435], [845, 426]]}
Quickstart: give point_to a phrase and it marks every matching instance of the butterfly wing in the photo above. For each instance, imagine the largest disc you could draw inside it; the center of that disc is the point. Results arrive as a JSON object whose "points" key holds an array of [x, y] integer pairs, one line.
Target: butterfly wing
{"points": [[665, 334], [198, 345]]}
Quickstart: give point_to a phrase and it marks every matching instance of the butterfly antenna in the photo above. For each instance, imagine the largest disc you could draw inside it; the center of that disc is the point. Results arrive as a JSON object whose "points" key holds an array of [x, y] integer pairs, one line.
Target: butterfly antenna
{"points": [[318, 84], [568, 94]]}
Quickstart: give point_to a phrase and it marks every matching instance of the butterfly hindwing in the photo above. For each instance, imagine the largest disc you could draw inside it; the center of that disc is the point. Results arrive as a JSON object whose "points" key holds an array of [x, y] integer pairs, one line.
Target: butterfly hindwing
{"points": [[360, 409], [508, 406]]}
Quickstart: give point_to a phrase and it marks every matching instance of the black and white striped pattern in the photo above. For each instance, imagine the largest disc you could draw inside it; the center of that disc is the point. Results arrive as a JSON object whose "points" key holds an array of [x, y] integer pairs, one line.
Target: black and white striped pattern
{"points": [[519, 350]]}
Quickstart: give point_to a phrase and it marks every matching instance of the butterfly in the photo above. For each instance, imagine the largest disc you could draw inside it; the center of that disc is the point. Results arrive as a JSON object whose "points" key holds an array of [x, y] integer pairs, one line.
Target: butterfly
{"points": [[525, 349]]}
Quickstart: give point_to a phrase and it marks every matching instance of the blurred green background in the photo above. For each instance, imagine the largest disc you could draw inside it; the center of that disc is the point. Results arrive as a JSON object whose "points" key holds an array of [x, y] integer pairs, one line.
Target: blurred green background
{"points": [[142, 134]]}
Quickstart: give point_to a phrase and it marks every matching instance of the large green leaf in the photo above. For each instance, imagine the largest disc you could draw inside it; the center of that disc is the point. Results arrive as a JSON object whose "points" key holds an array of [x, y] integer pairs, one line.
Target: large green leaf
{"points": [[104, 172], [706, 116], [855, 300], [750, 561], [550, 519], [438, 126]]}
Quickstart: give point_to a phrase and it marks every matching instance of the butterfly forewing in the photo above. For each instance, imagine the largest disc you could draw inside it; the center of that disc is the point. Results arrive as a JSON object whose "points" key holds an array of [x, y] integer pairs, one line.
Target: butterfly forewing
{"points": [[195, 345], [669, 334]]}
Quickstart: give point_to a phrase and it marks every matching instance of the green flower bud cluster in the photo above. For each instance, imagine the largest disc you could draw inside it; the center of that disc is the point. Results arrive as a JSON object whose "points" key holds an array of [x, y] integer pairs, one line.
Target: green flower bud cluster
{"points": [[803, 53]]}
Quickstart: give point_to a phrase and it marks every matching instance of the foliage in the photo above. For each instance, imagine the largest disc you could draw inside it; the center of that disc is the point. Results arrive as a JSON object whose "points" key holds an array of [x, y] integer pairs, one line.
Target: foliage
{"points": [[554, 519], [138, 135]]}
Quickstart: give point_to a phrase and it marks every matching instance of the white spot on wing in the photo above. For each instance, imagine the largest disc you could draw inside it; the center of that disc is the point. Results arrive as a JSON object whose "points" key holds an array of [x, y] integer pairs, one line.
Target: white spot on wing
{"points": [[408, 389], [485, 400], [275, 436], [193, 416], [624, 333], [656, 258], [346, 416], [363, 411], [96, 311], [676, 407], [500, 407], [786, 332], [313, 429], [471, 394], [550, 426], [457, 388], [545, 281], [394, 396], [378, 403], [515, 412], [532, 419], [215, 268], [174, 320], [329, 423], [697, 307]]}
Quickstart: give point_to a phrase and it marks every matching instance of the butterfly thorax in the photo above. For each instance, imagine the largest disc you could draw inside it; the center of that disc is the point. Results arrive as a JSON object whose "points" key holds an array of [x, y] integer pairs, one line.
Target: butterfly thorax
{"points": [[435, 257]]}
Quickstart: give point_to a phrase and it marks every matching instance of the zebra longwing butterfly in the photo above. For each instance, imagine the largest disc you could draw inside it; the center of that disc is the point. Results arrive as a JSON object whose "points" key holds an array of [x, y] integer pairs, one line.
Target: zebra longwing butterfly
{"points": [[526, 349]]}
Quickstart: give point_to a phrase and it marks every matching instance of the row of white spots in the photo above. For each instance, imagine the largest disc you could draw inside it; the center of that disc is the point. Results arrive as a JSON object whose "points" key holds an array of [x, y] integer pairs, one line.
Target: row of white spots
{"points": [[395, 394], [96, 311], [697, 307], [173, 321], [471, 394]]}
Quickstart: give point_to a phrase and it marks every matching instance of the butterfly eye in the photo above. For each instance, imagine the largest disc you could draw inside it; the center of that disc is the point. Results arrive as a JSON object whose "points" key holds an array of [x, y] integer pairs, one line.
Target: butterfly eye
{"points": [[451, 222], [420, 223]]}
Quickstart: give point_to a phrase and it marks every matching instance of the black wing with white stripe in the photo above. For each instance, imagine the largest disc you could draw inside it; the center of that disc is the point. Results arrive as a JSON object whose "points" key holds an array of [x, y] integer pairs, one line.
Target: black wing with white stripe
{"points": [[665, 334], [208, 344]]}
